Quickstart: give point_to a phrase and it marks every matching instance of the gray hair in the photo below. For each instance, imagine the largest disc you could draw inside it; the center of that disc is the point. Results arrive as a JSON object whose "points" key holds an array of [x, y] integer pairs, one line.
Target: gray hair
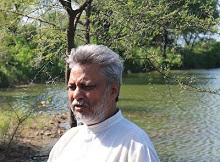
{"points": [[110, 62]]}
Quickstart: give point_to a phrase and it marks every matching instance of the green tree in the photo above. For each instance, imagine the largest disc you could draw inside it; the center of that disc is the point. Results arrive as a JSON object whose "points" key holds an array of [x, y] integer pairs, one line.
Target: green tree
{"points": [[203, 16], [32, 41], [143, 24], [16, 46]]}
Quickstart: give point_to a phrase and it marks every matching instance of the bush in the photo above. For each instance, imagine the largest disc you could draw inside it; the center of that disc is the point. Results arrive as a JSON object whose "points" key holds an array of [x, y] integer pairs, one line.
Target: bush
{"points": [[205, 54]]}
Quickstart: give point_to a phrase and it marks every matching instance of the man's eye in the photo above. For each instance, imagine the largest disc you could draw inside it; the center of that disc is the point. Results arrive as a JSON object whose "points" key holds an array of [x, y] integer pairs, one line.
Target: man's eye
{"points": [[72, 87], [87, 88]]}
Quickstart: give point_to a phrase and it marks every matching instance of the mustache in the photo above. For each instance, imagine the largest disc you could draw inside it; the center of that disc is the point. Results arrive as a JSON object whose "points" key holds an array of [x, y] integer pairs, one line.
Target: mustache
{"points": [[83, 103]]}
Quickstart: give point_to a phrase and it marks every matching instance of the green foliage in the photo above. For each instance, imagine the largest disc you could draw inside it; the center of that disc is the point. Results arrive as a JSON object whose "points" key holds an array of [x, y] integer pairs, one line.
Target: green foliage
{"points": [[16, 57], [205, 54], [127, 25], [143, 60], [49, 55], [135, 62], [12, 120], [23, 59], [144, 33], [172, 61], [4, 125], [30, 50]]}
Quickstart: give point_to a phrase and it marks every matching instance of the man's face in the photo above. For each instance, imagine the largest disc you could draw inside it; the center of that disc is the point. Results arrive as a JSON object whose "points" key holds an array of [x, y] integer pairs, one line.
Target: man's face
{"points": [[91, 100]]}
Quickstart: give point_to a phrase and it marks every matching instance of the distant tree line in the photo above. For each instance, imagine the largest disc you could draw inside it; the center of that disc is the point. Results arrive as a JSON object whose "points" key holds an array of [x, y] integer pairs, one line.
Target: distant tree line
{"points": [[36, 35]]}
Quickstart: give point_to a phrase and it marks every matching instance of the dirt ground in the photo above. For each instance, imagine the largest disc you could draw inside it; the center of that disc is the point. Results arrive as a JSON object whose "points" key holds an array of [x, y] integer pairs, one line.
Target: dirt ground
{"points": [[34, 142]]}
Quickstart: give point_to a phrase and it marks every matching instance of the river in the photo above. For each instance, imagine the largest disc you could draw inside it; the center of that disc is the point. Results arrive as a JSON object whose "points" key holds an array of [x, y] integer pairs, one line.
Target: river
{"points": [[182, 124]]}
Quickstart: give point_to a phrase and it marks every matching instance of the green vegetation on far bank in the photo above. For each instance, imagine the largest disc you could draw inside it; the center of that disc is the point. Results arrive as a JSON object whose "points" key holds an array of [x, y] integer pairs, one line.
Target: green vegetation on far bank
{"points": [[205, 54], [20, 65]]}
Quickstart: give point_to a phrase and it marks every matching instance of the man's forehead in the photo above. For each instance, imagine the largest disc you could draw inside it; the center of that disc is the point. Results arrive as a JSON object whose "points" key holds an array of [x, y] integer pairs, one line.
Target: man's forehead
{"points": [[82, 72], [80, 75], [86, 66]]}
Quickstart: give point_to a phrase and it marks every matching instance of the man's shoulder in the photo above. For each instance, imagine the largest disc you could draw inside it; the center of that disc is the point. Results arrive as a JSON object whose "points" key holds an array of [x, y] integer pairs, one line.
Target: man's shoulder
{"points": [[137, 135], [132, 129], [70, 133], [73, 130]]}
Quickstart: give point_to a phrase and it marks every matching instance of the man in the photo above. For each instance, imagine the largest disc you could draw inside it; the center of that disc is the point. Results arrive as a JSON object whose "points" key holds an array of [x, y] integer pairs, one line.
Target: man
{"points": [[105, 136]]}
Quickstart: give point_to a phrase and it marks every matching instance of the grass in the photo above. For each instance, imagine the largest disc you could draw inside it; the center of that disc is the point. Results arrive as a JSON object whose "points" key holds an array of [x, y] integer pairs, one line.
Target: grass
{"points": [[11, 120]]}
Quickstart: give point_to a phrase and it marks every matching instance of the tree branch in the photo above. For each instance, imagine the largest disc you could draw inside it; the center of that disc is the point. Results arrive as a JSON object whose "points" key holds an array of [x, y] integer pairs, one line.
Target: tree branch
{"points": [[67, 6], [31, 17], [83, 6]]}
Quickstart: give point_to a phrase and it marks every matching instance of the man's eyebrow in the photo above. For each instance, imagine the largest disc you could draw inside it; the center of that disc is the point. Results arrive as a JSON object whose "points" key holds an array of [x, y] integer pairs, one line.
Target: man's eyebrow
{"points": [[85, 84]]}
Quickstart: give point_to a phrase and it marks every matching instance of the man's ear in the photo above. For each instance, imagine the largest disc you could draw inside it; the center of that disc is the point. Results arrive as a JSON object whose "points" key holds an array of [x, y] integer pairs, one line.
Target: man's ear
{"points": [[114, 90]]}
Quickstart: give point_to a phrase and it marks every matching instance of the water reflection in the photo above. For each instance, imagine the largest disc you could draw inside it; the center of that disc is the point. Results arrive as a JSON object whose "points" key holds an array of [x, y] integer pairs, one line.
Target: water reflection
{"points": [[183, 125]]}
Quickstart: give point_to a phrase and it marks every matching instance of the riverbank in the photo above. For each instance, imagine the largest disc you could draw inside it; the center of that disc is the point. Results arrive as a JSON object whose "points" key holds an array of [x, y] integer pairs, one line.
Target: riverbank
{"points": [[35, 140]]}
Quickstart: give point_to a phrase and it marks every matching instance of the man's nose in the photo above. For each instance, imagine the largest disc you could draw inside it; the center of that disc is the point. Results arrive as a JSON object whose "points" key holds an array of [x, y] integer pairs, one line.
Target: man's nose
{"points": [[78, 93]]}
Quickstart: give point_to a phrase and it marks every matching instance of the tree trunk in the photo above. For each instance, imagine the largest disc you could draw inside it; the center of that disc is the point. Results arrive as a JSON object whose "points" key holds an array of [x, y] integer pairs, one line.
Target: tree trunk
{"points": [[87, 22], [165, 42], [73, 19]]}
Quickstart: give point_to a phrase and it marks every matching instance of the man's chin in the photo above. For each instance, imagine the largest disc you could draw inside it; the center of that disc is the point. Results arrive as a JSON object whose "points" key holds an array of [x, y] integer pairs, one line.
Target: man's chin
{"points": [[81, 119], [88, 120]]}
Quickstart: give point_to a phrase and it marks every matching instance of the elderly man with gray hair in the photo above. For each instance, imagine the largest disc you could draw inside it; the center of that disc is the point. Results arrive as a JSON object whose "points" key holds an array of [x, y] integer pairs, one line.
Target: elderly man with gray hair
{"points": [[105, 136]]}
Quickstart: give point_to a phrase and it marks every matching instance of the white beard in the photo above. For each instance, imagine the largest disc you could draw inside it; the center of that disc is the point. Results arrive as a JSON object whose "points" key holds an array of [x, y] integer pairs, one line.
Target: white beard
{"points": [[98, 111]]}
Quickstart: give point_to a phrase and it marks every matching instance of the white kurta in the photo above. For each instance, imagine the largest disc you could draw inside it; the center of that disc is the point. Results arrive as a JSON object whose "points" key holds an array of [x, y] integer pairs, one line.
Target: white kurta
{"points": [[114, 140]]}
